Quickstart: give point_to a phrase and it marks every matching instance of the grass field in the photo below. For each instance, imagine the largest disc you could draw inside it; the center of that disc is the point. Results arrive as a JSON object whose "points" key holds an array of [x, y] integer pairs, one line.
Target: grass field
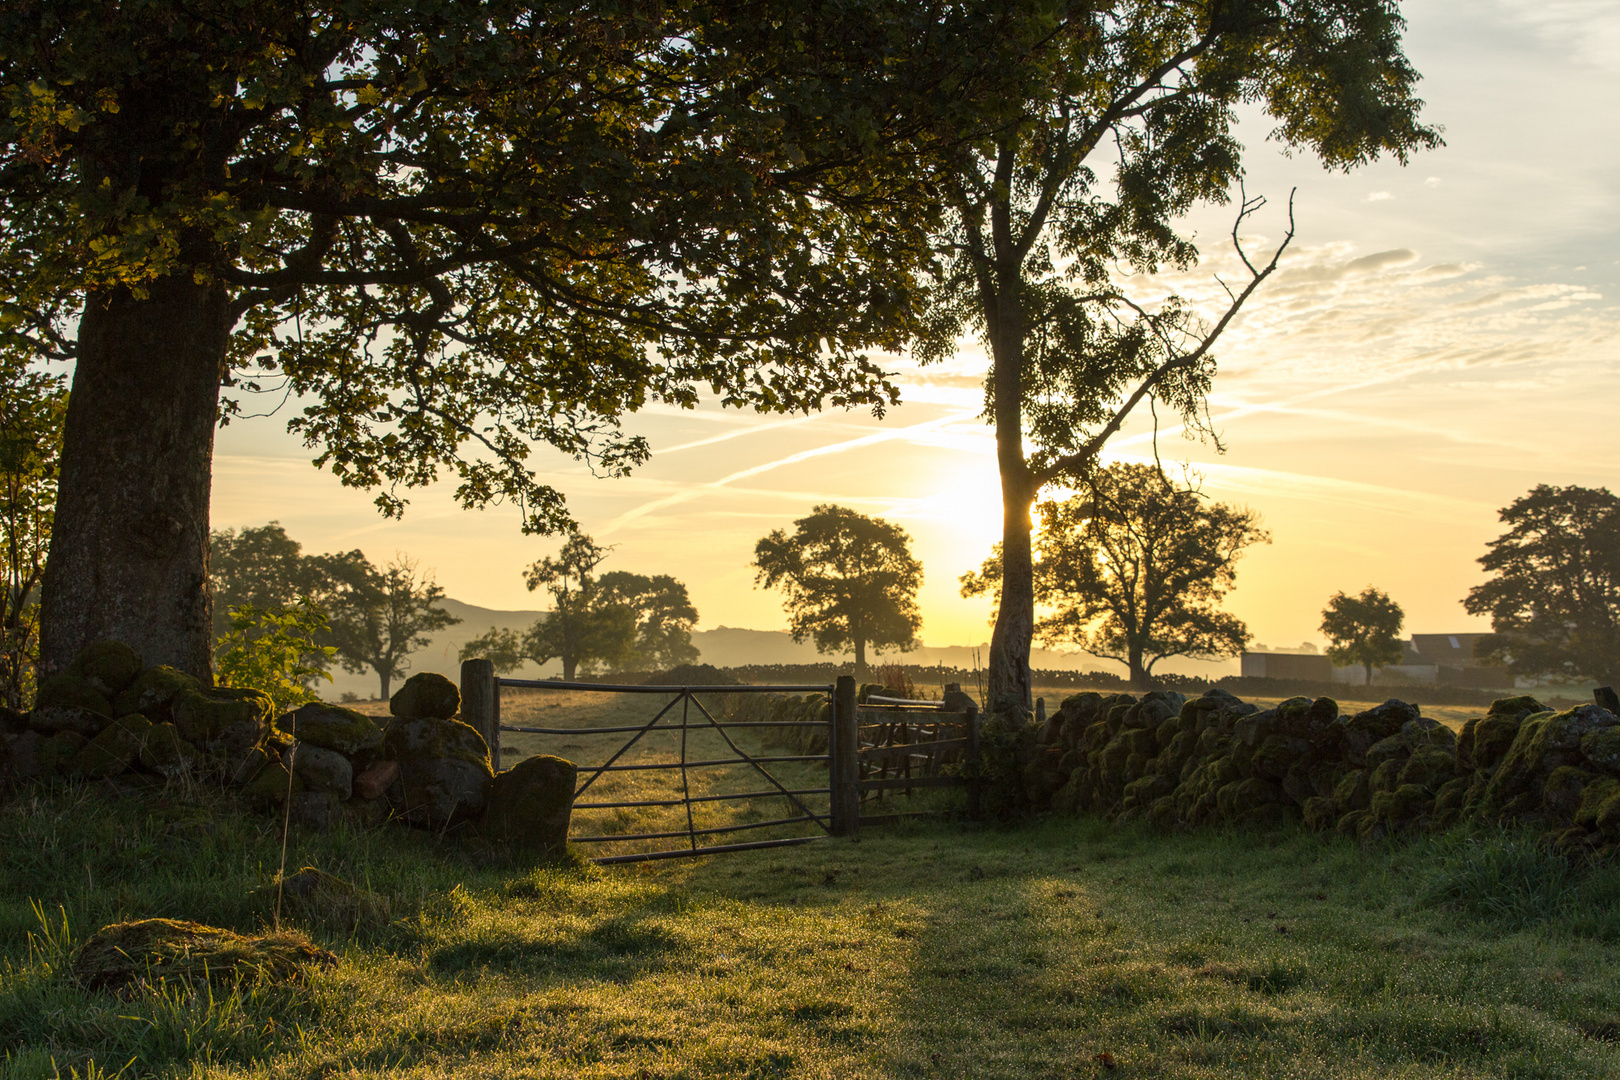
{"points": [[1054, 949]]}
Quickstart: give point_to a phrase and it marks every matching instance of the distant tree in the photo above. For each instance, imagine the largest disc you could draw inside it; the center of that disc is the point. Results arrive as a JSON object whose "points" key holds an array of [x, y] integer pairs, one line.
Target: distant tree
{"points": [[1554, 599], [664, 617], [1363, 629], [379, 617], [261, 566], [849, 581], [1136, 568], [611, 621], [32, 407]]}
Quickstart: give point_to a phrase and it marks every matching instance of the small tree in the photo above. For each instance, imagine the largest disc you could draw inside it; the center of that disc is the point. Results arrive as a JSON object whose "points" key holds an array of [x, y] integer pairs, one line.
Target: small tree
{"points": [[276, 650], [850, 581], [1554, 597], [613, 621], [380, 617], [1135, 569], [1363, 629], [664, 617], [32, 406]]}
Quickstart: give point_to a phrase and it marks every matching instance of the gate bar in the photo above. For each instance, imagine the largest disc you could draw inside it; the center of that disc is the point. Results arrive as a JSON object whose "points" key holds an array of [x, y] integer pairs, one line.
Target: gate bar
{"points": [[699, 798], [739, 688], [697, 832]]}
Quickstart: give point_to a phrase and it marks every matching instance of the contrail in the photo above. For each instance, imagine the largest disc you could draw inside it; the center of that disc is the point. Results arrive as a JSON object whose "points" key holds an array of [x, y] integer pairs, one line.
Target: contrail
{"points": [[693, 492]]}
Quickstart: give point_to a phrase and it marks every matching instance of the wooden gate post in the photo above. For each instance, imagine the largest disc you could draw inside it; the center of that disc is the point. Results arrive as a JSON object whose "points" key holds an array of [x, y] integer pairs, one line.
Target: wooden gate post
{"points": [[846, 773], [480, 708]]}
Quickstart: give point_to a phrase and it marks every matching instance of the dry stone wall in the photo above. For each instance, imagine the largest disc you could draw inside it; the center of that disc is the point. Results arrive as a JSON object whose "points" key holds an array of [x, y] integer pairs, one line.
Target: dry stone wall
{"points": [[1177, 761], [106, 718]]}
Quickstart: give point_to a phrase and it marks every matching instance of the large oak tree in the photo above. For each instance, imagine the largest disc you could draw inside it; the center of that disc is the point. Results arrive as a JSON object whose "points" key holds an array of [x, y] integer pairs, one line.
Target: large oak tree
{"points": [[454, 230], [1128, 122]]}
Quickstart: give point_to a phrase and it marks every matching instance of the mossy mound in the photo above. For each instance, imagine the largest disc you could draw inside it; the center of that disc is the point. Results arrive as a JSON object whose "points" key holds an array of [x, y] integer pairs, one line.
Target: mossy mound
{"points": [[152, 951], [334, 728], [107, 666], [531, 803], [66, 689], [152, 692], [237, 715]]}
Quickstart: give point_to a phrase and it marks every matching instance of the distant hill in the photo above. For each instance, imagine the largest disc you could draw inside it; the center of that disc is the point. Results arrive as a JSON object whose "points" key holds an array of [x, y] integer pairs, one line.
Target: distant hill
{"points": [[724, 646]]}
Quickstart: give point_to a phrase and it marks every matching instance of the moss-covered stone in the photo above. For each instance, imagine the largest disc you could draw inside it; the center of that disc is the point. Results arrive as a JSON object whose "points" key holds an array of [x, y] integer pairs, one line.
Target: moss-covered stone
{"points": [[65, 689], [1349, 824], [54, 718], [444, 769], [1493, 738], [1392, 748], [1320, 814], [272, 785], [320, 810], [56, 754], [115, 749], [108, 666], [1352, 791], [428, 694], [1601, 749], [207, 715], [1387, 777], [1600, 804], [321, 769], [164, 751], [1516, 708], [156, 951], [1546, 741], [531, 803], [152, 692], [1451, 794], [1429, 767], [1235, 801], [1403, 805], [344, 730], [1561, 794]]}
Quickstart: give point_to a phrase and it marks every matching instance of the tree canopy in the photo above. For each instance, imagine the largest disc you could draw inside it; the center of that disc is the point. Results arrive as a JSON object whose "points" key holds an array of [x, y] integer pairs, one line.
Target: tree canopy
{"points": [[615, 621], [1134, 569], [1554, 592], [379, 616], [1364, 629], [455, 232], [849, 581], [1125, 121]]}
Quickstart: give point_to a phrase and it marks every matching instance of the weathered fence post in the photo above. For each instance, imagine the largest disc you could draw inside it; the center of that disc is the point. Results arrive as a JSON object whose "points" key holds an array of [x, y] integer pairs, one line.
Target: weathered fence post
{"points": [[480, 708], [846, 773]]}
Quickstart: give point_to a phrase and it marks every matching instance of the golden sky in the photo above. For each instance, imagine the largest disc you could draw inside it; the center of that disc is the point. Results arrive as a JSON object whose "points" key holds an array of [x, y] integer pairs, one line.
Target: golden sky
{"points": [[1439, 339]]}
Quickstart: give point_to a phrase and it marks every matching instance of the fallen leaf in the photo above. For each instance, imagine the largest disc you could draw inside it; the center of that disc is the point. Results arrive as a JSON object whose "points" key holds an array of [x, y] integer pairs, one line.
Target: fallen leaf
{"points": [[1105, 1059]]}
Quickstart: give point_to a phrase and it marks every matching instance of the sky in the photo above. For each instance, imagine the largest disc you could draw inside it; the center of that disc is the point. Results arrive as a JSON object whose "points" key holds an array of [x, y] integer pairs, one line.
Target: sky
{"points": [[1439, 338]]}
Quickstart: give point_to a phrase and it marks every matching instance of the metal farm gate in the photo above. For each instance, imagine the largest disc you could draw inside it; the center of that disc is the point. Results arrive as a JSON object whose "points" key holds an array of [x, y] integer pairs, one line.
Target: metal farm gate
{"points": [[871, 749]]}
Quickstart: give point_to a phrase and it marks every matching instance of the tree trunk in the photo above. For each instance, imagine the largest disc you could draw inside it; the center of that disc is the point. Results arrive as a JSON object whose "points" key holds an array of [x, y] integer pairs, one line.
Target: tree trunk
{"points": [[1140, 678], [1369, 673], [129, 549], [860, 659], [387, 682], [1009, 689], [570, 665]]}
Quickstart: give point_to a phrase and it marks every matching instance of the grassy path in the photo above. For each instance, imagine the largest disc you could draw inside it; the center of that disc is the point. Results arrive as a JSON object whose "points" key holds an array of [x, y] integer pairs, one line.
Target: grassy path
{"points": [[1052, 950]]}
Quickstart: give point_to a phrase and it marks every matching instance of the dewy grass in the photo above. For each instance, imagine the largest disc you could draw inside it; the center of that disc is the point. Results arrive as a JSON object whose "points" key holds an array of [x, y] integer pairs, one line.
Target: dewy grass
{"points": [[926, 950]]}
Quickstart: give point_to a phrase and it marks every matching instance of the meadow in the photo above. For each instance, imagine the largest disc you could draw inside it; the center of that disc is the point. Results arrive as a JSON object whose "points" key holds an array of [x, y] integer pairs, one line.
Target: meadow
{"points": [[1049, 948]]}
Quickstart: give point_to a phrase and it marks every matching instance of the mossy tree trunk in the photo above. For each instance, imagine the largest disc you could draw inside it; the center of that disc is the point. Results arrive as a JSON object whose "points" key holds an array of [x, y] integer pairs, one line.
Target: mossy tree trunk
{"points": [[129, 547]]}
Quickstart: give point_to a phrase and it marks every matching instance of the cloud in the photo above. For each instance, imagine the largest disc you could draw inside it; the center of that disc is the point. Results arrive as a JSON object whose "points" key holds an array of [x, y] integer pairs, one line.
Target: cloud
{"points": [[1379, 196]]}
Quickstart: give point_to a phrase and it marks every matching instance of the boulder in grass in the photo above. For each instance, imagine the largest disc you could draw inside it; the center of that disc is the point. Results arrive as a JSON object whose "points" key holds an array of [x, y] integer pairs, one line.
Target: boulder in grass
{"points": [[55, 754], [426, 695], [323, 770], [531, 803], [335, 728], [115, 749], [108, 666], [154, 951], [152, 692]]}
